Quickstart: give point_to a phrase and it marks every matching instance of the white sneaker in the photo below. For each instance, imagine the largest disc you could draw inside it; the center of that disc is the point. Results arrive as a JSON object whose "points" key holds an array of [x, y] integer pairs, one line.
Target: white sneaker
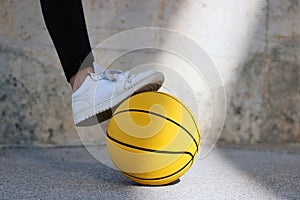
{"points": [[94, 100]]}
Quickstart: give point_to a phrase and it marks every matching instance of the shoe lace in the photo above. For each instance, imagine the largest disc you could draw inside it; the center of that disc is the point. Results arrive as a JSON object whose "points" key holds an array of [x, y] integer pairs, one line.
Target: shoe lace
{"points": [[109, 74]]}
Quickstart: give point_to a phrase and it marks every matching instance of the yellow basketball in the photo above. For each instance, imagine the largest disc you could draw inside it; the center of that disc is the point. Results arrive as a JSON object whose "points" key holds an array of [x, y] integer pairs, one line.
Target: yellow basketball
{"points": [[153, 138]]}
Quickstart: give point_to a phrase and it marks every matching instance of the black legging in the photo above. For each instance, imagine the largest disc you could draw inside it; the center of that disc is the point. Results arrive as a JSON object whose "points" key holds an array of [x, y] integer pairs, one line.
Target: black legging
{"points": [[66, 25]]}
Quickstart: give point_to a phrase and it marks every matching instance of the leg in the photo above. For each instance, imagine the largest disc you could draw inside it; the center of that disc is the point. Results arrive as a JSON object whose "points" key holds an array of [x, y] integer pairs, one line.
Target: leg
{"points": [[94, 95], [66, 25]]}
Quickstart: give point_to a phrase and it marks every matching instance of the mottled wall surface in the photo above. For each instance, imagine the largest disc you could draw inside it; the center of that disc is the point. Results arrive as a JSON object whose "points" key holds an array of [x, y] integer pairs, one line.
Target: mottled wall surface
{"points": [[255, 45], [34, 96], [264, 101]]}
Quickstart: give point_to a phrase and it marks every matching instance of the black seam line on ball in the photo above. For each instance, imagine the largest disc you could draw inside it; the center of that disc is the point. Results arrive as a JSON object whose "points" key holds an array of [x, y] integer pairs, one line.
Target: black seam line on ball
{"points": [[149, 150], [163, 177], [194, 155], [159, 115], [187, 109]]}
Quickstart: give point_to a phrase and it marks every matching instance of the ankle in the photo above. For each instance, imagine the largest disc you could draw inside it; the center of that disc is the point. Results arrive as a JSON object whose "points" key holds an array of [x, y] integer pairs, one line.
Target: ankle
{"points": [[77, 79]]}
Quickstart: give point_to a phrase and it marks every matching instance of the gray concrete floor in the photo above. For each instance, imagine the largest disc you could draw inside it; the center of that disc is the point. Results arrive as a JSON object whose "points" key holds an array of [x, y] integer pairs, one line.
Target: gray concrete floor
{"points": [[72, 173]]}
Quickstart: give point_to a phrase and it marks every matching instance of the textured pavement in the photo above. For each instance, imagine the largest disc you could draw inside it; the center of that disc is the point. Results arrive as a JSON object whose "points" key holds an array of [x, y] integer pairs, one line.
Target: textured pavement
{"points": [[72, 173]]}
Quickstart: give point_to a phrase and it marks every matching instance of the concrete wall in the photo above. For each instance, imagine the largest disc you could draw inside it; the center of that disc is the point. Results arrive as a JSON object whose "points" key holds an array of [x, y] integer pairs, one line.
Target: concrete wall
{"points": [[264, 102], [255, 45]]}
